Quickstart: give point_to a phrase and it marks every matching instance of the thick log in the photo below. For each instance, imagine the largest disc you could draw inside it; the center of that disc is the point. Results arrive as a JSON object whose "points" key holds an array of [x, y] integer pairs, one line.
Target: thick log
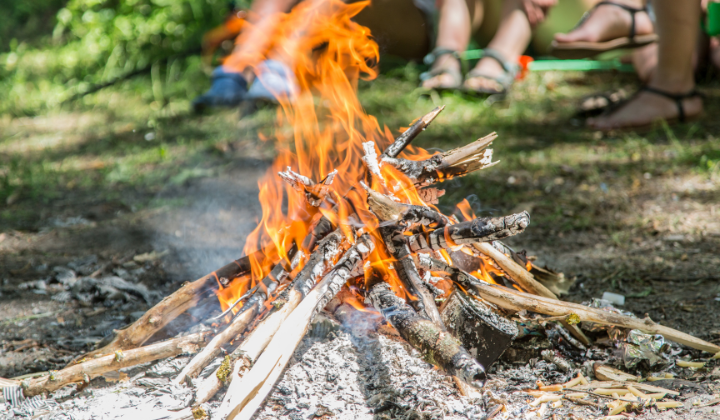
{"points": [[464, 233], [516, 301], [84, 372], [517, 273], [435, 344], [443, 166], [409, 135], [257, 384]]}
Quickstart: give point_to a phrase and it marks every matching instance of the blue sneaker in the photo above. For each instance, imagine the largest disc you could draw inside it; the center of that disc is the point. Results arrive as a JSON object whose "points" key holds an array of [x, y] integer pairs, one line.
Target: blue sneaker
{"points": [[274, 79], [228, 89]]}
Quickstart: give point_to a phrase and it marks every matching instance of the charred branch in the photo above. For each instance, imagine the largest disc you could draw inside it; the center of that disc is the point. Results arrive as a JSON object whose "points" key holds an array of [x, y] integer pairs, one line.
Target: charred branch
{"points": [[409, 135], [478, 230], [441, 167], [435, 344], [388, 210], [315, 193]]}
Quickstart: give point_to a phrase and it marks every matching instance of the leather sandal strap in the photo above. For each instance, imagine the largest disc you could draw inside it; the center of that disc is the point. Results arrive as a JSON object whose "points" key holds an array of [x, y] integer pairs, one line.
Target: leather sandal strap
{"points": [[677, 97], [632, 10]]}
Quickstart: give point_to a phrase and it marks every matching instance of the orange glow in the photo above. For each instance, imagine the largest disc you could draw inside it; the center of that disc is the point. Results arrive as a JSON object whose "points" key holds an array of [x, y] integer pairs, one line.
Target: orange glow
{"points": [[320, 127]]}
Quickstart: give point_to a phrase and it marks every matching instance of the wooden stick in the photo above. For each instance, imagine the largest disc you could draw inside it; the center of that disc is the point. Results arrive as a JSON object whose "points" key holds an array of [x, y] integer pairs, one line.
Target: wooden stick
{"points": [[516, 272], [169, 308], [435, 344], [258, 383], [514, 300], [527, 281], [474, 231], [237, 326], [253, 345], [84, 372], [409, 135], [387, 210], [441, 167]]}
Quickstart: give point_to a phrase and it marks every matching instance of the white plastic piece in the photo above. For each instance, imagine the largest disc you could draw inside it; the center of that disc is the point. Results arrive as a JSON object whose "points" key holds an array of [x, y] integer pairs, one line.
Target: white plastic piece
{"points": [[614, 298]]}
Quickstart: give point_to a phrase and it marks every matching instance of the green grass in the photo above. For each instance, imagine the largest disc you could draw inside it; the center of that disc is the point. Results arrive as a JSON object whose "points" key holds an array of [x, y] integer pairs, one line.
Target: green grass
{"points": [[129, 141]]}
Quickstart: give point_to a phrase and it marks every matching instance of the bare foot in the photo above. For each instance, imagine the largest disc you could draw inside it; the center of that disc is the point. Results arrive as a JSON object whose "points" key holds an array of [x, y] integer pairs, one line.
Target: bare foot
{"points": [[450, 77], [489, 67], [646, 108], [644, 59], [608, 22]]}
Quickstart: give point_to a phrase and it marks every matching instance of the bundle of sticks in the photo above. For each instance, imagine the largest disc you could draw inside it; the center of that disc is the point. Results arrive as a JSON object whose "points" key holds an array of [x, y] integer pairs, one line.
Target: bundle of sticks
{"points": [[255, 338]]}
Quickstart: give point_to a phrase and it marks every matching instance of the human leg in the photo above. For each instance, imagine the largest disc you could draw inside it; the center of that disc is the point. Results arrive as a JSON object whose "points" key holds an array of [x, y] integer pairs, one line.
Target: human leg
{"points": [[677, 30], [512, 38], [609, 25], [454, 30]]}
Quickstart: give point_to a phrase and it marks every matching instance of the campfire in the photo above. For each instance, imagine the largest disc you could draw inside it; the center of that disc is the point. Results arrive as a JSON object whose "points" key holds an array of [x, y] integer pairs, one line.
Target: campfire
{"points": [[350, 222]]}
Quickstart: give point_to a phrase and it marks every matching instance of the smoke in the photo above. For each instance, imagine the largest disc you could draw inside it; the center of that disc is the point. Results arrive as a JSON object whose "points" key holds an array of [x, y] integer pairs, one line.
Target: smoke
{"points": [[204, 222]]}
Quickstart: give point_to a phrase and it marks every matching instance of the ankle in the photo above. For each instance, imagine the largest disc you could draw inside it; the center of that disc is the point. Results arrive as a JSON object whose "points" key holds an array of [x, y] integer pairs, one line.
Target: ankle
{"points": [[446, 62], [672, 84]]}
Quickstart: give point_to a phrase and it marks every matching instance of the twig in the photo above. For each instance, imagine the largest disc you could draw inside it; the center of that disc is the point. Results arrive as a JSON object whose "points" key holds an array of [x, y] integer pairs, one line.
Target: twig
{"points": [[85, 371], [409, 135]]}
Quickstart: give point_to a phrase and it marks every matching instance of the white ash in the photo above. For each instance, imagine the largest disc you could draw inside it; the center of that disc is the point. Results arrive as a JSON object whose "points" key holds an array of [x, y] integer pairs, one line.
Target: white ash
{"points": [[365, 376]]}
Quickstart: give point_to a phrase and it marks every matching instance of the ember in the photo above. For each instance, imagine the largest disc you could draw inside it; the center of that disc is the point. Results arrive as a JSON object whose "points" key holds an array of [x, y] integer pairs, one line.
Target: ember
{"points": [[347, 207]]}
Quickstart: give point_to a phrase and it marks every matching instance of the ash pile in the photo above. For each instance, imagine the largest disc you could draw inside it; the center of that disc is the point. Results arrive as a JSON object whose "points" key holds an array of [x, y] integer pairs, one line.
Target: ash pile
{"points": [[376, 305]]}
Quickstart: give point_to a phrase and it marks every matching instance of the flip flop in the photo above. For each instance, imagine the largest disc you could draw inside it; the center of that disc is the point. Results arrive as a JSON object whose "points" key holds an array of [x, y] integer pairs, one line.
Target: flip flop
{"points": [[677, 97], [455, 74], [583, 49], [505, 80]]}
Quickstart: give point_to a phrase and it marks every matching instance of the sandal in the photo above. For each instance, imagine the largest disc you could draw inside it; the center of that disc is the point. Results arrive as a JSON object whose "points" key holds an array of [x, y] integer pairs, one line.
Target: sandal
{"points": [[456, 75], [677, 97], [583, 49], [505, 80], [597, 103]]}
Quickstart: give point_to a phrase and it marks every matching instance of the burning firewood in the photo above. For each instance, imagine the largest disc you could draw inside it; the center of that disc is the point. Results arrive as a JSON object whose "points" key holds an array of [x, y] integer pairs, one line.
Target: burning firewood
{"points": [[254, 344], [478, 230], [169, 308], [435, 344], [256, 384], [409, 135], [456, 162]]}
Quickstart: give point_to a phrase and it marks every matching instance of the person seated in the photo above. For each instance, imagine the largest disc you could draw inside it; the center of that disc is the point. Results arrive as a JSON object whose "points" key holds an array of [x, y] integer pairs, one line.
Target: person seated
{"points": [[669, 93], [247, 75], [496, 70]]}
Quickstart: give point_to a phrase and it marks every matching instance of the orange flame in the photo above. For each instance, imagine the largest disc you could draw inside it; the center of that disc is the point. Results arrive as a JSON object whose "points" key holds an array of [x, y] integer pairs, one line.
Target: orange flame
{"points": [[320, 127]]}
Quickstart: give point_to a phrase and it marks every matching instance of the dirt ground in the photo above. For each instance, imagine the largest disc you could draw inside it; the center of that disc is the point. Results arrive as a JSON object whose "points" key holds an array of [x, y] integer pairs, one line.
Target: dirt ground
{"points": [[652, 235]]}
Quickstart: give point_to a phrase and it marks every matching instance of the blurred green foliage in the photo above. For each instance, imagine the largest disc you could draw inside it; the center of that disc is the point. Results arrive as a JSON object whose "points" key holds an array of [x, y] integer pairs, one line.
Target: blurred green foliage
{"points": [[94, 41], [26, 20]]}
